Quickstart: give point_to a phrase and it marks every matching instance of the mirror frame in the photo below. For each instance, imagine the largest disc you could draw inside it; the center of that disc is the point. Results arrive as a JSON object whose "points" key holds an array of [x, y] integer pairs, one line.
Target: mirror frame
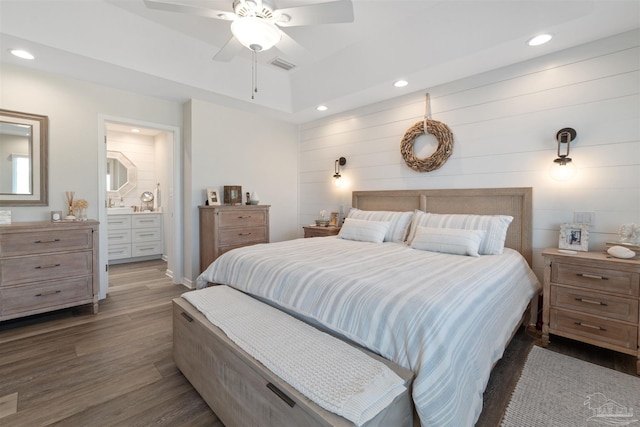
{"points": [[40, 170], [132, 174]]}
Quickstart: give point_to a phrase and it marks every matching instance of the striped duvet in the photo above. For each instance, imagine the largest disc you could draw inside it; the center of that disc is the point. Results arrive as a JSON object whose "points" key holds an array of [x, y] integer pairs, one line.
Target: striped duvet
{"points": [[445, 317]]}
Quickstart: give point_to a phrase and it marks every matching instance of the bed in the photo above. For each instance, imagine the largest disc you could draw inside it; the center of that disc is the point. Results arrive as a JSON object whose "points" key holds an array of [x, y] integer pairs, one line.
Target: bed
{"points": [[445, 317]]}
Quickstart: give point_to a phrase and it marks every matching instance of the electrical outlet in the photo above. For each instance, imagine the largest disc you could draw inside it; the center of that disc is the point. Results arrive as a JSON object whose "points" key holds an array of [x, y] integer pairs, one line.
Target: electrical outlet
{"points": [[584, 217]]}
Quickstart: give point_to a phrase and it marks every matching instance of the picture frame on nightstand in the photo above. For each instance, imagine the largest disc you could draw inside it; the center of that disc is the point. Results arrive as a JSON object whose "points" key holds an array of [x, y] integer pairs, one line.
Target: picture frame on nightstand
{"points": [[574, 237]]}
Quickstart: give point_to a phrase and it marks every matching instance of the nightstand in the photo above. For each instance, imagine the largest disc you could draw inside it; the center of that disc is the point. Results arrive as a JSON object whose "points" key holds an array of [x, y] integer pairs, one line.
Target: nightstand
{"points": [[315, 231], [594, 298]]}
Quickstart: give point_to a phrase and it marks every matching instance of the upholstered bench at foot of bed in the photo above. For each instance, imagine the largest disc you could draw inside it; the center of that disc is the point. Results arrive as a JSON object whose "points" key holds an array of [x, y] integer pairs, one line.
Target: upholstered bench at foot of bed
{"points": [[242, 392]]}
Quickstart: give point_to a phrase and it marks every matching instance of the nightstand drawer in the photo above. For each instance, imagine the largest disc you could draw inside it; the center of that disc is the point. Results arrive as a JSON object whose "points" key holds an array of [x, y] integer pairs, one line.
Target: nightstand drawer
{"points": [[247, 218], [601, 330], [595, 303], [622, 282], [233, 236]]}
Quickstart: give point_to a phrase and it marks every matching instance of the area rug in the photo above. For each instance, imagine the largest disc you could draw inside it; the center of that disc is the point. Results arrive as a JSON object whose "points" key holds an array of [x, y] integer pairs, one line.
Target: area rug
{"points": [[558, 390]]}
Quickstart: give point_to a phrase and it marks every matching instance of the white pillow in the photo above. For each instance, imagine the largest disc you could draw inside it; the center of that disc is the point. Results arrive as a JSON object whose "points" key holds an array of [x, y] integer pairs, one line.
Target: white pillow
{"points": [[495, 227], [363, 231], [399, 222], [448, 240]]}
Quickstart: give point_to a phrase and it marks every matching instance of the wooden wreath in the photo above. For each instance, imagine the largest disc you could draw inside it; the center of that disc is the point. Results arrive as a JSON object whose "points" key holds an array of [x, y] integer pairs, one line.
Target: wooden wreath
{"points": [[437, 159]]}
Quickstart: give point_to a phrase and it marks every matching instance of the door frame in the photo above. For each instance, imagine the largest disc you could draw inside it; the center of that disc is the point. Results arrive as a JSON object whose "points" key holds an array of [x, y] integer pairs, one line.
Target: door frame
{"points": [[176, 263]]}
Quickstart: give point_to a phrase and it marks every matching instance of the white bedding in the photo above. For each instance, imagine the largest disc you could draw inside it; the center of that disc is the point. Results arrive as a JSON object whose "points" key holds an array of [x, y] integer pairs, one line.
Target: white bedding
{"points": [[445, 317]]}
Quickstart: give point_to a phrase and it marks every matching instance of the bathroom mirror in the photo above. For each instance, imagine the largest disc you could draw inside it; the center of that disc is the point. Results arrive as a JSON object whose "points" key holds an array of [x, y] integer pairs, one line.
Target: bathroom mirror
{"points": [[121, 174], [23, 159]]}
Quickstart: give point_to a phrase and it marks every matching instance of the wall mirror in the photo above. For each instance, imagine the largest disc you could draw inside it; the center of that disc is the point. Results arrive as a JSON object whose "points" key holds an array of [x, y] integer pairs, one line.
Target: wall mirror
{"points": [[121, 174], [23, 159]]}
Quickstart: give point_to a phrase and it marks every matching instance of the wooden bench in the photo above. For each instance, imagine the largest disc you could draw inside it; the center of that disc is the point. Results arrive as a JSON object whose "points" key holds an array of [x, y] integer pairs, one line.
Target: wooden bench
{"points": [[242, 392]]}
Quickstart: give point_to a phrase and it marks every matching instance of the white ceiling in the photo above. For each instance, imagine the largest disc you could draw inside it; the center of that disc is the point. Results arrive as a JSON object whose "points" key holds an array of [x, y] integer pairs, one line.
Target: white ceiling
{"points": [[123, 44]]}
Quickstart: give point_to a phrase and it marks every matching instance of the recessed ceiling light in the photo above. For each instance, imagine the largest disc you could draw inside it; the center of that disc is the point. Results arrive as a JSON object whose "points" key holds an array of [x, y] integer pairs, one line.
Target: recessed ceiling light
{"points": [[322, 108], [538, 40], [135, 130], [21, 54], [400, 83]]}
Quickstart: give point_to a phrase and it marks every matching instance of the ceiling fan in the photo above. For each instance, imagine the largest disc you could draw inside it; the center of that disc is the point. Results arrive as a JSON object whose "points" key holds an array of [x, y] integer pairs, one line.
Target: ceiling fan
{"points": [[255, 24]]}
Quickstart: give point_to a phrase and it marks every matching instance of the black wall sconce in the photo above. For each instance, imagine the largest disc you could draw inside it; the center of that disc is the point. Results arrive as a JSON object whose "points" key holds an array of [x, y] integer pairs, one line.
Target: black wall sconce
{"points": [[563, 167], [338, 178]]}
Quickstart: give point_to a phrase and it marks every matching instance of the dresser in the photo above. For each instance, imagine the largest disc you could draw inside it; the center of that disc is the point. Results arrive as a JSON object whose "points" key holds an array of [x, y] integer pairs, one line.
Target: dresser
{"points": [[134, 237], [223, 228], [594, 298], [47, 266]]}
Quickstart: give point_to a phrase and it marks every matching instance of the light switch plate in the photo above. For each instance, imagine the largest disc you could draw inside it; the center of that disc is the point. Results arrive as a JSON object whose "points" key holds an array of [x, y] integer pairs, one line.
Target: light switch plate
{"points": [[584, 217]]}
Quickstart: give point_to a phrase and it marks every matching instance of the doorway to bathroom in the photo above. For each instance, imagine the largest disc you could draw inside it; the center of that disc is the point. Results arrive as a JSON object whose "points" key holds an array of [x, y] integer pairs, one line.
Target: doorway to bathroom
{"points": [[139, 184]]}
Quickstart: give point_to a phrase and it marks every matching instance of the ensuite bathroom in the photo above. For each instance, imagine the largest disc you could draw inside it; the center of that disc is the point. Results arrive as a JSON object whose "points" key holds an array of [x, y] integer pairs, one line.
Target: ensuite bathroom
{"points": [[136, 182]]}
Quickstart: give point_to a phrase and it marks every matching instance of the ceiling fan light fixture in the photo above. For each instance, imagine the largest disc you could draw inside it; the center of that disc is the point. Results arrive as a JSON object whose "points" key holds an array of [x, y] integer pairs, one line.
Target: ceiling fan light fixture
{"points": [[255, 33]]}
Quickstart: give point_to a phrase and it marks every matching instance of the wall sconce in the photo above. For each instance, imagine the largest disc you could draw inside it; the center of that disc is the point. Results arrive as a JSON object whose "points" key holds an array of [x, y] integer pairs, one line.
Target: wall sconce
{"points": [[338, 178], [563, 167]]}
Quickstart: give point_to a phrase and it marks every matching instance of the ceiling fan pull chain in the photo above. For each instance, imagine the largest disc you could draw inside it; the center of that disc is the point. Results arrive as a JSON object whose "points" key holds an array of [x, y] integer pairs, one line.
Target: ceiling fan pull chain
{"points": [[254, 74]]}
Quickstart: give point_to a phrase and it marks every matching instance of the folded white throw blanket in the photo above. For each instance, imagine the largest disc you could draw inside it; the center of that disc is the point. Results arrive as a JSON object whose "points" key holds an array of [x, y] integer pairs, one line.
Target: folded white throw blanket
{"points": [[331, 373]]}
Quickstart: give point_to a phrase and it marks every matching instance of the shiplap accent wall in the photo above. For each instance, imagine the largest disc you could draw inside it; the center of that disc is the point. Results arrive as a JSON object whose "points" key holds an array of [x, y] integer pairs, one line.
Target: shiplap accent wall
{"points": [[504, 124], [141, 150]]}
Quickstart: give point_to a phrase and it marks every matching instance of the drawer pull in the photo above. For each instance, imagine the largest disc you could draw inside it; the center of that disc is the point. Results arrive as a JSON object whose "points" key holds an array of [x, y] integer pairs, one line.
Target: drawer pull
{"points": [[281, 394], [147, 235], [47, 241], [48, 266], [244, 217], [244, 234], [186, 316], [590, 301], [44, 294], [586, 325], [592, 276]]}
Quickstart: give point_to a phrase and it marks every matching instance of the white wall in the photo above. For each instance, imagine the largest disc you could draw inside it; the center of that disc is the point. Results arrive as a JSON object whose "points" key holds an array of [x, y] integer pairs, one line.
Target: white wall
{"points": [[224, 146], [504, 124], [73, 108]]}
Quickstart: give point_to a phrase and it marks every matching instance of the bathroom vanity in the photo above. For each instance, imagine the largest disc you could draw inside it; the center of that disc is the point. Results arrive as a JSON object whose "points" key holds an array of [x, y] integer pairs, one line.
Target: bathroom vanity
{"points": [[135, 236]]}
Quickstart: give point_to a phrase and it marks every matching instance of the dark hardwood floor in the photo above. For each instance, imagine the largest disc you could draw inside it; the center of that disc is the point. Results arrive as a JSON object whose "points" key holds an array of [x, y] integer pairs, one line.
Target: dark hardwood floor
{"points": [[72, 368]]}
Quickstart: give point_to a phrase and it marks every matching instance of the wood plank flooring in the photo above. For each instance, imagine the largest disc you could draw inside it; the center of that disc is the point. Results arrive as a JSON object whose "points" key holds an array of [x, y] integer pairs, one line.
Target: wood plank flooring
{"points": [[72, 368]]}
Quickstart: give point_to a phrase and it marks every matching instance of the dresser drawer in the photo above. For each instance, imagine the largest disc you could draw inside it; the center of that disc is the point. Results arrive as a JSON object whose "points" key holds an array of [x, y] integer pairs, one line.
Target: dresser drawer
{"points": [[119, 251], [232, 236], [622, 282], [29, 243], [145, 234], [246, 218], [45, 295], [141, 221], [146, 249], [118, 221], [595, 303], [45, 267], [118, 237], [600, 330]]}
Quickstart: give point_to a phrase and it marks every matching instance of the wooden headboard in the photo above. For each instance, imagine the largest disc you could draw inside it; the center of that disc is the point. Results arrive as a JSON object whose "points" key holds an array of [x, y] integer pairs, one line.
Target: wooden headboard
{"points": [[516, 202]]}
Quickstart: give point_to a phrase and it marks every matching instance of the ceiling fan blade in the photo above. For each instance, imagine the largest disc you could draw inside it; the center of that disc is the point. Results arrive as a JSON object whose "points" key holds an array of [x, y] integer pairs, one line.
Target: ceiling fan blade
{"points": [[293, 51], [332, 12], [173, 6], [228, 51]]}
